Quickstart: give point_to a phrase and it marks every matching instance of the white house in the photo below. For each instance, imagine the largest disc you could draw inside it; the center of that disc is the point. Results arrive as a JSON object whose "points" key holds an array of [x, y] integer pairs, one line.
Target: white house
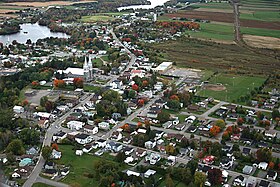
{"points": [[263, 165], [101, 143], [75, 125], [59, 136], [149, 173], [116, 136], [83, 139], [91, 129], [114, 147], [150, 144], [16, 175], [79, 152], [140, 152], [56, 154], [18, 109], [152, 158], [104, 125]]}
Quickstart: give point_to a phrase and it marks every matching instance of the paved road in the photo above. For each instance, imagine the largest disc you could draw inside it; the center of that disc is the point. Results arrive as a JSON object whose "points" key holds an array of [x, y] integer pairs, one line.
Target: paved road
{"points": [[51, 182], [47, 141]]}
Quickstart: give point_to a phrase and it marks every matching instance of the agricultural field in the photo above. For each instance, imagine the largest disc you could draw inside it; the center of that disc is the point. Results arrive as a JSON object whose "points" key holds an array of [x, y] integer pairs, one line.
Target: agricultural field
{"points": [[230, 87], [257, 18], [219, 57], [214, 32], [97, 18], [47, 3]]}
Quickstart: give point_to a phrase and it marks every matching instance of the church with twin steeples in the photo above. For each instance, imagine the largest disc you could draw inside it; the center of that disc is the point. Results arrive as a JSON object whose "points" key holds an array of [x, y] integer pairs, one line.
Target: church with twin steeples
{"points": [[88, 71]]}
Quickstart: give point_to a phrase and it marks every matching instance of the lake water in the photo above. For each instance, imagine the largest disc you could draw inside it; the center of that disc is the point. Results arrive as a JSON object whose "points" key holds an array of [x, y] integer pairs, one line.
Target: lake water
{"points": [[32, 32], [153, 4]]}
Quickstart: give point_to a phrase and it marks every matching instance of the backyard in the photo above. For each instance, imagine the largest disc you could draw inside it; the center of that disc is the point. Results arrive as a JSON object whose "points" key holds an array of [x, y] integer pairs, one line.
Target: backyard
{"points": [[80, 166]]}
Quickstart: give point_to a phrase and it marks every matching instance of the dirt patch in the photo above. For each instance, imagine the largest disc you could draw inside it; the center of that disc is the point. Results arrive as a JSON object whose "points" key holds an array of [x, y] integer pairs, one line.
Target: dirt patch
{"points": [[4, 11], [46, 4], [262, 42], [224, 17], [214, 87]]}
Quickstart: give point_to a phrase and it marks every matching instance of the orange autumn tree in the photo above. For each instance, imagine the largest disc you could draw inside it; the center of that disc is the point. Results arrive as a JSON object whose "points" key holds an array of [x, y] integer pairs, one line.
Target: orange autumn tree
{"points": [[59, 83], [145, 83], [174, 97], [135, 87], [215, 130], [55, 146], [78, 82], [35, 84]]}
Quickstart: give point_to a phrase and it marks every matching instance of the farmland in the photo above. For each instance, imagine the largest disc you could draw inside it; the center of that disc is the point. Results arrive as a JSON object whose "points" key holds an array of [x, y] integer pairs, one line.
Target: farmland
{"points": [[223, 57], [235, 86], [96, 18], [46, 4]]}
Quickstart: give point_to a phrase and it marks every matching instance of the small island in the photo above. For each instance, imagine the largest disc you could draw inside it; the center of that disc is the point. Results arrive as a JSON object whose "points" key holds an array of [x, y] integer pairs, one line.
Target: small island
{"points": [[9, 28]]}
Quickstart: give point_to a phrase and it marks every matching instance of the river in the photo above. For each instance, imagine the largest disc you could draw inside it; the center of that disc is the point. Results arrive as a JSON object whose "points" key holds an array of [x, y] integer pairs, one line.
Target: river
{"points": [[153, 4], [32, 32]]}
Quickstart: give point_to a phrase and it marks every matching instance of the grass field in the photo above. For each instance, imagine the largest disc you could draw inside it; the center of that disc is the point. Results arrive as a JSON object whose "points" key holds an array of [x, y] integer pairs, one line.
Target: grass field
{"points": [[39, 184], [236, 86], [97, 18], [216, 57], [212, 31], [79, 166]]}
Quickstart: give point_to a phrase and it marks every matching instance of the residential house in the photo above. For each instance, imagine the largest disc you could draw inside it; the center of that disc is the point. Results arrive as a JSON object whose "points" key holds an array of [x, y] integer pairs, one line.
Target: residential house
{"points": [[101, 143], [246, 151], [25, 162], [91, 129], [75, 125], [271, 175], [251, 182], [226, 163], [150, 144], [49, 165], [18, 109], [104, 125], [264, 183], [140, 152], [83, 138], [127, 140], [180, 126], [263, 165], [239, 181], [247, 170], [116, 84], [87, 148], [56, 154], [208, 159], [203, 168], [79, 152], [116, 136], [270, 134], [57, 137], [173, 136], [171, 160], [114, 147], [50, 172], [32, 151], [149, 173], [152, 158], [116, 116], [128, 150], [43, 123]]}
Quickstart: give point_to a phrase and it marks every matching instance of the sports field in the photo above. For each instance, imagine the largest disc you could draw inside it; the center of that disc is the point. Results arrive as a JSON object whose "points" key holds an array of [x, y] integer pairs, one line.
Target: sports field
{"points": [[235, 86]]}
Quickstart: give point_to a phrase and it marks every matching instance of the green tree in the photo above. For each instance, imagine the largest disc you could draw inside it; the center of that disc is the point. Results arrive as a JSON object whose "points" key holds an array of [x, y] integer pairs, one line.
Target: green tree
{"points": [[120, 157], [173, 104], [275, 114], [29, 136], [264, 154], [163, 116], [15, 147], [220, 123], [168, 181], [46, 152], [199, 179], [193, 164]]}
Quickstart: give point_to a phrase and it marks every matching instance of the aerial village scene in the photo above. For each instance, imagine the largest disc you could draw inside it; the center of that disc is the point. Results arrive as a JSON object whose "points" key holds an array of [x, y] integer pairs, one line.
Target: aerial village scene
{"points": [[139, 93]]}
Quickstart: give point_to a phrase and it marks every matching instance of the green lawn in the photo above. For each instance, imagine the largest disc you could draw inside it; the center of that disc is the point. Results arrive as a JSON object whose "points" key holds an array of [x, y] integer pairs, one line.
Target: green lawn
{"points": [[39, 184], [88, 88], [213, 31], [97, 62], [97, 18], [262, 15], [79, 166], [235, 87], [260, 32]]}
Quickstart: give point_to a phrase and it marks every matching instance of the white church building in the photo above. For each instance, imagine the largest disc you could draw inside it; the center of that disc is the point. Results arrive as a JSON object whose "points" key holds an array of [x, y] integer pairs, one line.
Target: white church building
{"points": [[86, 72]]}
